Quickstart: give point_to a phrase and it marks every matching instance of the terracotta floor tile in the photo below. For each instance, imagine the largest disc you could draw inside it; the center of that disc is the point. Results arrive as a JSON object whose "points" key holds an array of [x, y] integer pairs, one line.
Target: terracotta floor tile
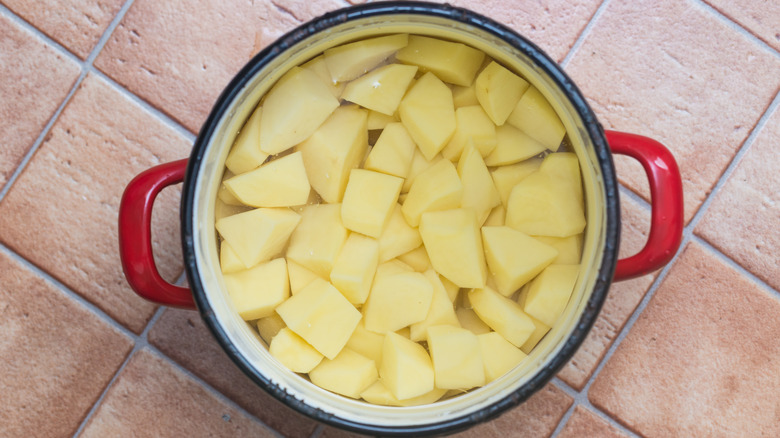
{"points": [[758, 16], [151, 398], [701, 360], [179, 55], [584, 423], [537, 417], [76, 24], [36, 80], [56, 356], [61, 213], [744, 218], [331, 432], [182, 336], [622, 300], [673, 71]]}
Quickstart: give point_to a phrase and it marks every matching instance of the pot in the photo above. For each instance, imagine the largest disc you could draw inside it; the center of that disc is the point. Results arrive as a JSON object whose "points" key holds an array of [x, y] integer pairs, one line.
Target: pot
{"points": [[203, 171]]}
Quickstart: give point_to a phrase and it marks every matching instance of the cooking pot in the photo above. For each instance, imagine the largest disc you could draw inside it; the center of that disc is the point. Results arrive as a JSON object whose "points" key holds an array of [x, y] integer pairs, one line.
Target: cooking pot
{"points": [[203, 171]]}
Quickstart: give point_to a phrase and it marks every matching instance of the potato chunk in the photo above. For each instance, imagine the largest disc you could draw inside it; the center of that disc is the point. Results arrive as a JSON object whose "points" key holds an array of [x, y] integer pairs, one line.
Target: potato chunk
{"points": [[382, 89], [398, 237], [367, 343], [464, 96], [539, 331], [393, 152], [369, 200], [417, 258], [257, 291], [479, 192], [228, 260], [473, 126], [502, 315], [245, 154], [545, 205], [569, 248], [512, 146], [318, 239], [456, 357], [506, 177], [397, 301], [514, 258], [355, 266], [293, 352], [406, 368], [318, 66], [454, 246], [441, 312], [498, 90], [269, 327], [534, 115], [455, 63], [437, 188], [259, 234], [378, 394], [428, 114], [347, 374], [279, 183], [348, 61], [470, 321], [498, 355], [300, 276], [549, 293]]}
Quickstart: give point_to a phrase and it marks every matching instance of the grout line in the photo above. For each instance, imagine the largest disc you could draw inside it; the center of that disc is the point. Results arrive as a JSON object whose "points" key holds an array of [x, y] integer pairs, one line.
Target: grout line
{"points": [[733, 24], [580, 399], [108, 32], [585, 32], [11, 15]]}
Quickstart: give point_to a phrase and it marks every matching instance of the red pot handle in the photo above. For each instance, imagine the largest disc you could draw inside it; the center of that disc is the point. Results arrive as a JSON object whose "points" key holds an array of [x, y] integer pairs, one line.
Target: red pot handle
{"points": [[135, 236], [666, 221]]}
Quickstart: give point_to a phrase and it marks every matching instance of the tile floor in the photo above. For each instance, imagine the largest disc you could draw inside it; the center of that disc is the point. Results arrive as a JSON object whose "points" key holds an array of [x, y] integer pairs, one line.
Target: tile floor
{"points": [[94, 91]]}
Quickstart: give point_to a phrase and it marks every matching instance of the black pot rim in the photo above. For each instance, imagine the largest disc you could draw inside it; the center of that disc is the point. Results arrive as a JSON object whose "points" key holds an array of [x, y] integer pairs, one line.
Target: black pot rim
{"points": [[602, 153]]}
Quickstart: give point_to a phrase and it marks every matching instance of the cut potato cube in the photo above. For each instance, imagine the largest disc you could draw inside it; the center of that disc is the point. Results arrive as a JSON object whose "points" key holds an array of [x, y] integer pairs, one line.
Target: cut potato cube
{"points": [[398, 238], [245, 154], [223, 210], [257, 291], [355, 267], [226, 196], [498, 355], [497, 217], [565, 166], [228, 259], [441, 312], [506, 177], [454, 246], [498, 90], [318, 239], [269, 327], [514, 258], [569, 248], [278, 183], [293, 352], [321, 316], [418, 166], [456, 356], [464, 96], [348, 374], [502, 315], [367, 343], [333, 150], [451, 288], [369, 200], [417, 259], [534, 115], [455, 63], [406, 368], [348, 61], [393, 152], [300, 276], [382, 89], [378, 394], [512, 146], [397, 301], [259, 234], [377, 120], [473, 127], [539, 332], [479, 191], [549, 293], [294, 108], [545, 205], [318, 66], [470, 321], [428, 114], [437, 188]]}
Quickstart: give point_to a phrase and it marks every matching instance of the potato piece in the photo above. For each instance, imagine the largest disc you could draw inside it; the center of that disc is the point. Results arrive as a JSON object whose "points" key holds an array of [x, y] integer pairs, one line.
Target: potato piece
{"points": [[257, 291], [544, 205], [333, 150], [367, 343], [498, 90], [539, 331], [569, 248], [455, 63], [294, 108], [348, 61], [259, 234], [228, 259], [496, 218], [451, 288], [473, 126], [318, 66], [464, 96], [392, 267], [498, 355], [348, 374], [565, 166], [278, 183], [454, 246], [549, 293], [398, 237], [318, 239], [441, 311], [300, 276], [355, 267], [418, 166], [512, 146], [534, 115], [321, 316], [224, 195], [428, 114], [406, 368], [456, 357], [479, 192], [377, 120], [502, 315], [245, 154], [293, 352], [506, 177], [514, 258], [269, 327], [470, 321], [378, 394], [417, 259], [397, 301], [369, 200], [437, 188], [393, 152], [382, 89]]}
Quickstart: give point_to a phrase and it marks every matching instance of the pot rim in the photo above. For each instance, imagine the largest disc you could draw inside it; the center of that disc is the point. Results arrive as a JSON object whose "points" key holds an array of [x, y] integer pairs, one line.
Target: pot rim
{"points": [[546, 64]]}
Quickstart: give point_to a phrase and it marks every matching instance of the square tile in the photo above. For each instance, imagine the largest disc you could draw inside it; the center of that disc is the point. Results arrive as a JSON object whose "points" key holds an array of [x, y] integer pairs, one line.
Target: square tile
{"points": [[744, 217], [56, 356], [673, 71], [759, 16], [61, 213], [183, 336], [150, 397], [702, 358], [76, 24], [584, 423], [36, 79]]}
